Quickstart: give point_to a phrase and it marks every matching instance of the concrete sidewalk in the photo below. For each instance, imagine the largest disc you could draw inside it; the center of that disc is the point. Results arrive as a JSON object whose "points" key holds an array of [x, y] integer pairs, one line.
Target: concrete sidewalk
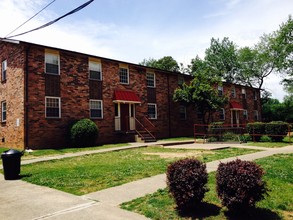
{"points": [[21, 200]]}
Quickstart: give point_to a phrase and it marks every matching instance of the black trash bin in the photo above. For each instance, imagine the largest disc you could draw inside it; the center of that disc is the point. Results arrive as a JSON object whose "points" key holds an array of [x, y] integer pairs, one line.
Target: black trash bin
{"points": [[11, 164]]}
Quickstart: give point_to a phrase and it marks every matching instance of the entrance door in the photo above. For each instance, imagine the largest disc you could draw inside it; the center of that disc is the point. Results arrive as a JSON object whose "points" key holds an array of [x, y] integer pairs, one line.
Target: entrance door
{"points": [[124, 112], [235, 118]]}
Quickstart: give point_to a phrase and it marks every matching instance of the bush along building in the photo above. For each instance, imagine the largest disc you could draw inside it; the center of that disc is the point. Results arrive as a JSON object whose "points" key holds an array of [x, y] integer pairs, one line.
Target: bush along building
{"points": [[44, 90]]}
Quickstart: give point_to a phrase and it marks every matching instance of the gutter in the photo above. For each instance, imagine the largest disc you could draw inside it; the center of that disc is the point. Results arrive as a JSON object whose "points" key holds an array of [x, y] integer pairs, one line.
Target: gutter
{"points": [[26, 96]]}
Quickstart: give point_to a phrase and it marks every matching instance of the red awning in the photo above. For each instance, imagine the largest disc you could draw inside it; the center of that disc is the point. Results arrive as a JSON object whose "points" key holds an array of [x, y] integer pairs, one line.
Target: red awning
{"points": [[236, 106], [125, 97]]}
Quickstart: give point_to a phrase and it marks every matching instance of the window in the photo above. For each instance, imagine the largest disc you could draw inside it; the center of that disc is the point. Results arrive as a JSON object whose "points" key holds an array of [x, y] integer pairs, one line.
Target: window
{"points": [[243, 92], [3, 111], [124, 75], [152, 111], [180, 80], [222, 114], [255, 95], [245, 114], [220, 90], [151, 80], [4, 70], [233, 92], [53, 109], [95, 70], [182, 112], [255, 113], [52, 63], [96, 109]]}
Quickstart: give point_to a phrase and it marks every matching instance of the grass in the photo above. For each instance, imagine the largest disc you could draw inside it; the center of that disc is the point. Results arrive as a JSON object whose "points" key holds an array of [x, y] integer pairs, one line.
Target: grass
{"points": [[82, 175], [277, 205], [268, 144], [54, 152]]}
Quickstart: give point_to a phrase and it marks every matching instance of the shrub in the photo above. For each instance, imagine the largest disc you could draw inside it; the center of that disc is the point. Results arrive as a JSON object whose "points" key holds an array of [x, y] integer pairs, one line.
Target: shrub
{"points": [[277, 130], [215, 130], [240, 184], [84, 133], [287, 139], [245, 138], [265, 138], [256, 130], [186, 180], [230, 136]]}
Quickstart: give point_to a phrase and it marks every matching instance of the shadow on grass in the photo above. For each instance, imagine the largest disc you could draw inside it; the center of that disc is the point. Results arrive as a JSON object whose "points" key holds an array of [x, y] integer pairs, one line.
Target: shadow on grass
{"points": [[252, 214], [202, 210]]}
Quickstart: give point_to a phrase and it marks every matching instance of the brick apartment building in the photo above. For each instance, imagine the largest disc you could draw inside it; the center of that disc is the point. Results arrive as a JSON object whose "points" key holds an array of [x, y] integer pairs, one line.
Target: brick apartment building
{"points": [[44, 89]]}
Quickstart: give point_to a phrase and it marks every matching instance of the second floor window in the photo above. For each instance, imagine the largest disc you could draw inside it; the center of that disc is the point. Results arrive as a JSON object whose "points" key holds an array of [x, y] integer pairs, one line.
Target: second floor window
{"points": [[52, 63], [123, 75], [95, 70], [255, 95], [220, 90], [233, 92], [4, 70], [151, 80], [243, 92]]}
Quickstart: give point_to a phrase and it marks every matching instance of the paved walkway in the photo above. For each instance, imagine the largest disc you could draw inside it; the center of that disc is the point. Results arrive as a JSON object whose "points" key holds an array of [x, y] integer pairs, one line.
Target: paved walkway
{"points": [[22, 200]]}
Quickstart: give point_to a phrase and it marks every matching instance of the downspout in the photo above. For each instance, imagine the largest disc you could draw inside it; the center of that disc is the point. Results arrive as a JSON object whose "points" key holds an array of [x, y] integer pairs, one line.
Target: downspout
{"points": [[169, 106], [26, 105]]}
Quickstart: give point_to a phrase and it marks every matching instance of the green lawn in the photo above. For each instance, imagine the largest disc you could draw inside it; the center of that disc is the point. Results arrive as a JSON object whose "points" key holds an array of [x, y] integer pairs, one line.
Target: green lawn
{"points": [[268, 144], [82, 175], [277, 205]]}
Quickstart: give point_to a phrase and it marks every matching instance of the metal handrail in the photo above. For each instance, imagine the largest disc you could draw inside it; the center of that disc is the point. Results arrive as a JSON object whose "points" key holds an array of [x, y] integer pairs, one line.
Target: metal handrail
{"points": [[143, 128]]}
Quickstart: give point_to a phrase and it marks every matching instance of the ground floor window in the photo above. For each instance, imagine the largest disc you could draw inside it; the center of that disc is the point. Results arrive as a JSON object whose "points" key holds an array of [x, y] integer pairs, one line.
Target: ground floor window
{"points": [[96, 108], [255, 115], [152, 111], [182, 112], [245, 114], [3, 111], [222, 114], [53, 109]]}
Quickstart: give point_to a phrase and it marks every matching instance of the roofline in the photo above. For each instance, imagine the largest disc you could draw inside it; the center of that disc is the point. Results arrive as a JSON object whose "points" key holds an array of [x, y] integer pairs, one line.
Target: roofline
{"points": [[91, 55]]}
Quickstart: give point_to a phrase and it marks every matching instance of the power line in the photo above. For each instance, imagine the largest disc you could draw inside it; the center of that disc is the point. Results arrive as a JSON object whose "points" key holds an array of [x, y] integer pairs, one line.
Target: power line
{"points": [[30, 18], [54, 21]]}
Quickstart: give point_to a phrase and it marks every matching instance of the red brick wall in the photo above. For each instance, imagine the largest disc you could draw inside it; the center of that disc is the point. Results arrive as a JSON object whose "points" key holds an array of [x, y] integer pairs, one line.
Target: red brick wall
{"points": [[12, 91]]}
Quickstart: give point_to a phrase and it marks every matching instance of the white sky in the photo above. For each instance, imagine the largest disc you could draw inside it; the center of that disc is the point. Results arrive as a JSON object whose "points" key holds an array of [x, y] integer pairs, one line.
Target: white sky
{"points": [[131, 30]]}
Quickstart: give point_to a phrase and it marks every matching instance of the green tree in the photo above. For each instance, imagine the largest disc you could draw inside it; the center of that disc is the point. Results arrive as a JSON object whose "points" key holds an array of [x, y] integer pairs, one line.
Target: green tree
{"points": [[165, 63], [202, 93], [221, 59]]}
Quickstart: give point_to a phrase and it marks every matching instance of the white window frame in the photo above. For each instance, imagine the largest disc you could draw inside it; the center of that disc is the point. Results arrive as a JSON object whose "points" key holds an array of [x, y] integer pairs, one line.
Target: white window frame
{"points": [[3, 111], [4, 70], [121, 69], [47, 55], [222, 113], [59, 106], [101, 108], [97, 67], [245, 114], [220, 90], [151, 80], [156, 114], [182, 111]]}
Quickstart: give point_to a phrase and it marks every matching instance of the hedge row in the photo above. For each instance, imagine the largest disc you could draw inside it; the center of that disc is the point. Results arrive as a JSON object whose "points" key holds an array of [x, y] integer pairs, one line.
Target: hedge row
{"points": [[276, 130]]}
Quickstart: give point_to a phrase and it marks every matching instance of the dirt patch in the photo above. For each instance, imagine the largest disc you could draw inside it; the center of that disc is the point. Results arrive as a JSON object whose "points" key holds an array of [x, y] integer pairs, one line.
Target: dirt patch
{"points": [[178, 155]]}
